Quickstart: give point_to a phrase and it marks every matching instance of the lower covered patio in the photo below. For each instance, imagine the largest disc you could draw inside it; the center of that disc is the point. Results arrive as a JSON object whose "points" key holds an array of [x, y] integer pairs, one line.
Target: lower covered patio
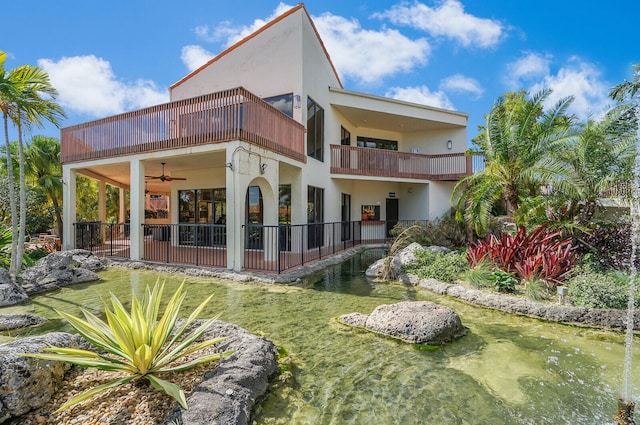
{"points": [[270, 249]]}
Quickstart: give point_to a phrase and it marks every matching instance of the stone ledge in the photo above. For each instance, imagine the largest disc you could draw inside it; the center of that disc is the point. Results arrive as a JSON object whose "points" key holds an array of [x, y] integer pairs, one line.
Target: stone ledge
{"points": [[592, 317]]}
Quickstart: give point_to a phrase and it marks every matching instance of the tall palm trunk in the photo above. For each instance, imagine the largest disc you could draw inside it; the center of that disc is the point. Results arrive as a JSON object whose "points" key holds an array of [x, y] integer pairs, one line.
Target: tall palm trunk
{"points": [[13, 265], [23, 200]]}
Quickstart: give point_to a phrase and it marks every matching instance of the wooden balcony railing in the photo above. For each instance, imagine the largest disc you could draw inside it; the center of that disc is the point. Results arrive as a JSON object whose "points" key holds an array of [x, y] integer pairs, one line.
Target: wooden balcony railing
{"points": [[384, 163], [234, 114]]}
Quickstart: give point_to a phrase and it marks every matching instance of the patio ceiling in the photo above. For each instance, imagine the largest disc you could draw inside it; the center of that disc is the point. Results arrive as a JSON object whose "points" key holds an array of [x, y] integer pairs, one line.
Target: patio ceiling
{"points": [[363, 110], [117, 174]]}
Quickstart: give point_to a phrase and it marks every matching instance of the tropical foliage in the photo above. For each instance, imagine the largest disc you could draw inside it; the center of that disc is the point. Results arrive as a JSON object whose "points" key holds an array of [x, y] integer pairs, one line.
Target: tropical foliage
{"points": [[137, 343], [518, 141], [446, 267], [27, 99], [541, 254]]}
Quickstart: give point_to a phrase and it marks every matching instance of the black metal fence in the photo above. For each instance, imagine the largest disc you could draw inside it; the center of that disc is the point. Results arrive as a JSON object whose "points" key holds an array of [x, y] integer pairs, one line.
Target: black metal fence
{"points": [[196, 244], [104, 239], [266, 248]]}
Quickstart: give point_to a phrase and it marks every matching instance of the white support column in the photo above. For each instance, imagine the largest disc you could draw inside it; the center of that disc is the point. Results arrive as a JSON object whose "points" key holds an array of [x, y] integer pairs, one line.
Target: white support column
{"points": [[122, 216], [102, 206], [102, 201], [68, 207], [136, 207], [235, 256]]}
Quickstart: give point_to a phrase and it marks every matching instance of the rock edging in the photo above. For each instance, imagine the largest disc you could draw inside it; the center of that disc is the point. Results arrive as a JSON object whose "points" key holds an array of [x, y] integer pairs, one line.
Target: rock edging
{"points": [[26, 383], [593, 317], [228, 393]]}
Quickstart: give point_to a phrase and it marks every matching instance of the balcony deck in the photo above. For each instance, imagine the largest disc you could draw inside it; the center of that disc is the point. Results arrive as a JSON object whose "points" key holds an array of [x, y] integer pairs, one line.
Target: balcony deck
{"points": [[234, 114], [372, 162]]}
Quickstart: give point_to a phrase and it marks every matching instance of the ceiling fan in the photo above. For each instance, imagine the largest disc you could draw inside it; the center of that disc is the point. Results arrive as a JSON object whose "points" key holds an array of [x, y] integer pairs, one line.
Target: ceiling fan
{"points": [[164, 178]]}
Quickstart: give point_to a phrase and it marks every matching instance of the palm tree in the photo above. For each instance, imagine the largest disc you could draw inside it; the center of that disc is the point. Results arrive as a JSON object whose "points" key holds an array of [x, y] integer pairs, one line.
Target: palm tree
{"points": [[517, 141], [600, 158], [27, 98], [9, 89], [43, 164]]}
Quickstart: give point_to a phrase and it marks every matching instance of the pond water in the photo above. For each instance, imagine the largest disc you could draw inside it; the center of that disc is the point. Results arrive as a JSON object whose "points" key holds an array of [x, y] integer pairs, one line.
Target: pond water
{"points": [[506, 370]]}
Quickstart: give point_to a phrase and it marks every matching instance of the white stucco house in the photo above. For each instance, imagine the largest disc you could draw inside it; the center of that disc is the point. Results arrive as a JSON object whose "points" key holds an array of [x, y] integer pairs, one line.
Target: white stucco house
{"points": [[266, 160]]}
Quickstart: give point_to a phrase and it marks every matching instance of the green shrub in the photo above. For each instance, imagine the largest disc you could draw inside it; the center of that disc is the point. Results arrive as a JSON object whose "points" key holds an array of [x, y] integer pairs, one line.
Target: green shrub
{"points": [[536, 290], [503, 281], [444, 267], [478, 276], [138, 343], [445, 231], [596, 289]]}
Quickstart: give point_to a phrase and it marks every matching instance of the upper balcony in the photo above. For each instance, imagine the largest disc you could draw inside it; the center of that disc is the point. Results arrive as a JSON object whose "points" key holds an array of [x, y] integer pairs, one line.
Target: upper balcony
{"points": [[373, 162], [228, 115]]}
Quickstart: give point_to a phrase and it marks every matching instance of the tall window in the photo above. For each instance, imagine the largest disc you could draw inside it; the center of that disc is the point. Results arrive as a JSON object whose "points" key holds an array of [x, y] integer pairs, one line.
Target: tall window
{"points": [[284, 207], [315, 130], [202, 206], [254, 233], [345, 137], [315, 216]]}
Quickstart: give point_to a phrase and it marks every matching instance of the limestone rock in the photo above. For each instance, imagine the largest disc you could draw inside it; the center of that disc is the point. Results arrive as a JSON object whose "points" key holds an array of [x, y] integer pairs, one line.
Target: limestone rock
{"points": [[26, 383], [60, 269], [17, 321], [228, 393], [404, 257], [357, 320], [10, 293], [416, 322]]}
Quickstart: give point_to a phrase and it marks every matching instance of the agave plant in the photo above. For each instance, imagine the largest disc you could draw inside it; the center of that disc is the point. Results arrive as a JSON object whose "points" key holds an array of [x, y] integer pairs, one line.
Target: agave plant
{"points": [[137, 343]]}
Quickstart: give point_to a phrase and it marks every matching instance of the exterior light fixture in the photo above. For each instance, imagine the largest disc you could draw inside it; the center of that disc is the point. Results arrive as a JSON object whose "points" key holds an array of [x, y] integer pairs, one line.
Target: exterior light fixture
{"points": [[449, 144], [229, 166]]}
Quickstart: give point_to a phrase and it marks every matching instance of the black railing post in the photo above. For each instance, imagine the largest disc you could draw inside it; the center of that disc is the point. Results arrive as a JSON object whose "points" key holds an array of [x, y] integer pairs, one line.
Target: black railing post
{"points": [[169, 229], [304, 229], [195, 241], [278, 248], [111, 239]]}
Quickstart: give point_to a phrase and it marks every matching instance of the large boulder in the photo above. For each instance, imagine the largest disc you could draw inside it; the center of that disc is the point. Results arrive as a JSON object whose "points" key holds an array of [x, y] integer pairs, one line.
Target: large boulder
{"points": [[27, 383], [416, 322], [228, 393], [404, 257], [18, 321], [10, 293], [60, 269]]}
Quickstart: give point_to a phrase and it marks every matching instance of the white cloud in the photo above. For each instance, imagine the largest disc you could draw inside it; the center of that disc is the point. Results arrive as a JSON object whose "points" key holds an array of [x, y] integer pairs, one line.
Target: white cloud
{"points": [[369, 56], [366, 56], [194, 56], [421, 95], [237, 34], [462, 84], [87, 84], [449, 20], [579, 79], [530, 66]]}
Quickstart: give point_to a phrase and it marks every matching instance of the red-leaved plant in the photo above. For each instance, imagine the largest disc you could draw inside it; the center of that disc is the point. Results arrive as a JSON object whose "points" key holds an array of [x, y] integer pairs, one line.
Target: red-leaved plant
{"points": [[540, 254]]}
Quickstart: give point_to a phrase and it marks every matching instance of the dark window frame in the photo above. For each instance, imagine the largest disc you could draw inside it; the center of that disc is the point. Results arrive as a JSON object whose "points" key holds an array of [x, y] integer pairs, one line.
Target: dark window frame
{"points": [[315, 130]]}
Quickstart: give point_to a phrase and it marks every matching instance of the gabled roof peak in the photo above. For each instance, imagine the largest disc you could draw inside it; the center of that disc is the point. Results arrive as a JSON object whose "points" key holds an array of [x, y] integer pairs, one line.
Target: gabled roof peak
{"points": [[268, 25]]}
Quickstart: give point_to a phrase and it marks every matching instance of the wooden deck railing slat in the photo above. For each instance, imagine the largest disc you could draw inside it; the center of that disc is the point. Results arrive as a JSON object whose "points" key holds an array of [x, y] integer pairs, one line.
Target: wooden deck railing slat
{"points": [[353, 160], [219, 117]]}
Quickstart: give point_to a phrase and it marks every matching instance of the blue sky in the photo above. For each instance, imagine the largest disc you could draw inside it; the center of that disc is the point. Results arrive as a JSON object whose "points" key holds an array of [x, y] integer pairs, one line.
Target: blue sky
{"points": [[110, 57]]}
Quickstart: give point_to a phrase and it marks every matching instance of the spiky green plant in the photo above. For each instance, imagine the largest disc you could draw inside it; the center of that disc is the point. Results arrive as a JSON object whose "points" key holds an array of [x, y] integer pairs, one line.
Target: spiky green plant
{"points": [[137, 343]]}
